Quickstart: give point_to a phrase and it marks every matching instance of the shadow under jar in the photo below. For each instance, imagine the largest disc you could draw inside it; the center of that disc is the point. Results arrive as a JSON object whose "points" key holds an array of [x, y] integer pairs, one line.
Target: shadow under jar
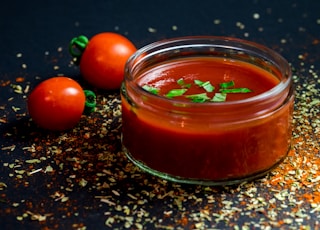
{"points": [[207, 110]]}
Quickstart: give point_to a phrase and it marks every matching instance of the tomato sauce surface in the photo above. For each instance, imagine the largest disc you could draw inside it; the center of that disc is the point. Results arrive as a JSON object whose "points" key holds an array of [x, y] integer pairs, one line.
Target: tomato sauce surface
{"points": [[197, 148], [215, 71]]}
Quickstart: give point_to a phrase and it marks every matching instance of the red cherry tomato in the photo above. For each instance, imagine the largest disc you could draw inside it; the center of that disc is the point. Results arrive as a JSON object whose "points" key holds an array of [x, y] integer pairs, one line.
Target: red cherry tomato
{"points": [[103, 59], [57, 103]]}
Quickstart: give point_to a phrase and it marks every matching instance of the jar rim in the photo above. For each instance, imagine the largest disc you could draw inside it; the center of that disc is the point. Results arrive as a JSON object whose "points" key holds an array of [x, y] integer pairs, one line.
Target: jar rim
{"points": [[218, 41]]}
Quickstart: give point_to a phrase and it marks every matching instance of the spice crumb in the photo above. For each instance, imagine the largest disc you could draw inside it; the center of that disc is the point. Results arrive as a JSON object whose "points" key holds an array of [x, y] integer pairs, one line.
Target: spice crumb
{"points": [[216, 21], [152, 30], [256, 16]]}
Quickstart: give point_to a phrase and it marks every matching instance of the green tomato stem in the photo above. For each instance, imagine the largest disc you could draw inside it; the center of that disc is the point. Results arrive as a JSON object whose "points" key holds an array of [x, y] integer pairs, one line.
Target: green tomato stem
{"points": [[77, 46], [91, 102]]}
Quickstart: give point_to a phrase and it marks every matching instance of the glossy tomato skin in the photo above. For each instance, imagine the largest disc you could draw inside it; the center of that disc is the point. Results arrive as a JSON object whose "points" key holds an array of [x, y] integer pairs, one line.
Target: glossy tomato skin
{"points": [[103, 60], [57, 103]]}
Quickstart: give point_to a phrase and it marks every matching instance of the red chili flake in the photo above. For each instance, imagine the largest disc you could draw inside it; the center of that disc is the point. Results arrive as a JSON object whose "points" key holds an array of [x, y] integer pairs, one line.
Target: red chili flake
{"points": [[4, 83], [20, 79]]}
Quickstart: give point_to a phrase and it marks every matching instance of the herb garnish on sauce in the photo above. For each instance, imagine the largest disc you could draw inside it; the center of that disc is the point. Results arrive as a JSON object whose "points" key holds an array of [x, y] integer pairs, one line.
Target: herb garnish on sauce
{"points": [[151, 89], [175, 93], [220, 96]]}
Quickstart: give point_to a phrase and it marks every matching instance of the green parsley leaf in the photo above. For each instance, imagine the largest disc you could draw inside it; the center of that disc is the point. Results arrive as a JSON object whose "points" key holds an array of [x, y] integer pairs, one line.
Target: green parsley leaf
{"points": [[226, 85], [176, 92], [198, 82], [180, 81], [219, 97], [206, 85], [235, 90], [183, 84], [151, 89], [201, 97]]}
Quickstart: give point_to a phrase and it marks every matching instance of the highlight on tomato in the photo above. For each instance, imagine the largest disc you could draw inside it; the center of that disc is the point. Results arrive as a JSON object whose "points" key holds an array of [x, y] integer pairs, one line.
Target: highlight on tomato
{"points": [[102, 59], [58, 103]]}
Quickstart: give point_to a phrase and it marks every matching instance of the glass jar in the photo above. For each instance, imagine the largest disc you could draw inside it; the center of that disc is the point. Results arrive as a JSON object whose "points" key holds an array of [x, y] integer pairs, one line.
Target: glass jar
{"points": [[206, 143]]}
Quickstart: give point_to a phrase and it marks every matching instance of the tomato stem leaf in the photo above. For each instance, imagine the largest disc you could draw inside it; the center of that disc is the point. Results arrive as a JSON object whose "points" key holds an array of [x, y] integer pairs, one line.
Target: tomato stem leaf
{"points": [[77, 46], [91, 102]]}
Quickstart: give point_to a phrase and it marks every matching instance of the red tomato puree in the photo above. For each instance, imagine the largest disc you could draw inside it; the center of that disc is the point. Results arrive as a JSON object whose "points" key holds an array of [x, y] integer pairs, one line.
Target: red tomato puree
{"points": [[195, 145]]}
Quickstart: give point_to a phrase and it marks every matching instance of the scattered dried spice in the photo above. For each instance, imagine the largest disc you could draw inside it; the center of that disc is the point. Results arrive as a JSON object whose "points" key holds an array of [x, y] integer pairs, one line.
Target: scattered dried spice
{"points": [[88, 160]]}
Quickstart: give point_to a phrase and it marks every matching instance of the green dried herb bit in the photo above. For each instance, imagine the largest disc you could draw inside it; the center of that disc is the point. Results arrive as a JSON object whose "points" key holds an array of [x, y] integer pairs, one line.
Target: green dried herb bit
{"points": [[226, 85], [183, 84], [176, 92], [199, 98], [219, 97], [151, 89], [235, 90], [206, 85]]}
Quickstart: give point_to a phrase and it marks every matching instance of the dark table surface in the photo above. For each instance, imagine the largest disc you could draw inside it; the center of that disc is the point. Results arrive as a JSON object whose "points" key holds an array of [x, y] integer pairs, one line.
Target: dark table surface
{"points": [[80, 179]]}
